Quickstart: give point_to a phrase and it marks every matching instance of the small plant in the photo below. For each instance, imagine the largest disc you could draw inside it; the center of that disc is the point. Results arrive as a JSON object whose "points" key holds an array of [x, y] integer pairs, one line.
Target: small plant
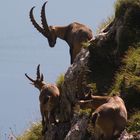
{"points": [[60, 81], [104, 24], [134, 123], [92, 87], [33, 133], [85, 112], [86, 44]]}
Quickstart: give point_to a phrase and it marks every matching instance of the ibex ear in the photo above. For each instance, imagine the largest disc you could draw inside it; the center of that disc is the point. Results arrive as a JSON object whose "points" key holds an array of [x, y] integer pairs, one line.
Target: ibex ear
{"points": [[42, 77], [52, 28], [94, 118]]}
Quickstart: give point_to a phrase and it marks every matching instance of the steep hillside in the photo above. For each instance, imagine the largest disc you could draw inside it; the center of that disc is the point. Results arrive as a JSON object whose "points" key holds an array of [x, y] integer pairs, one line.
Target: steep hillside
{"points": [[109, 65]]}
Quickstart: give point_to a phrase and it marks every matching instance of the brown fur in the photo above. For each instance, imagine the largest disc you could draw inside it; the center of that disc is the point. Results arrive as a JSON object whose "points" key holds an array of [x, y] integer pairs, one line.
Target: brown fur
{"points": [[109, 118], [49, 99], [74, 34]]}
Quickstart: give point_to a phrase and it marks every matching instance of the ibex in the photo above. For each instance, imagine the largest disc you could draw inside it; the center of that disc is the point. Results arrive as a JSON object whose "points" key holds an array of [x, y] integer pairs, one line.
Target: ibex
{"points": [[74, 34], [49, 99], [109, 118]]}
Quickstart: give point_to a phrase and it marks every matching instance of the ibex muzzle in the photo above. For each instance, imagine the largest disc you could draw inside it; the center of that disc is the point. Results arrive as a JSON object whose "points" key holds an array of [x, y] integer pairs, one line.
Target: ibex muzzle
{"points": [[49, 99], [74, 34]]}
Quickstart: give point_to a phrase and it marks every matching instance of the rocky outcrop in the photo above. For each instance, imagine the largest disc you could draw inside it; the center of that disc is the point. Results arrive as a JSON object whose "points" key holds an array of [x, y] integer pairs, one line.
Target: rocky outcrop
{"points": [[93, 71]]}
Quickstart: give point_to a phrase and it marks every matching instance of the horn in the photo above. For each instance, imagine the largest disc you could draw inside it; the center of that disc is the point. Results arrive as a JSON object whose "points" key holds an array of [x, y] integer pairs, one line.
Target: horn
{"points": [[36, 25], [42, 77], [43, 18], [29, 78], [38, 72]]}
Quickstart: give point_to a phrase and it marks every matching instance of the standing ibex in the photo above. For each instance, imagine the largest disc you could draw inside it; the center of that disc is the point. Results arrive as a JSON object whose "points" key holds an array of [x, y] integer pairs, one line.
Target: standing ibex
{"points": [[49, 99], [74, 34], [109, 117]]}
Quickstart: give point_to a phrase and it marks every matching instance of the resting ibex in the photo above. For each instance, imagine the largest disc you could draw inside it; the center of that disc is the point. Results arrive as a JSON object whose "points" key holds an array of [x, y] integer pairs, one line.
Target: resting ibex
{"points": [[49, 99], [109, 117], [74, 34]]}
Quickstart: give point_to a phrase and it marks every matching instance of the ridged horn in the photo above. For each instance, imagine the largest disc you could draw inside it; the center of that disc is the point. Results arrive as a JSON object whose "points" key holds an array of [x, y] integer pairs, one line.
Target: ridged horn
{"points": [[38, 72], [29, 78], [36, 25], [43, 18], [42, 77]]}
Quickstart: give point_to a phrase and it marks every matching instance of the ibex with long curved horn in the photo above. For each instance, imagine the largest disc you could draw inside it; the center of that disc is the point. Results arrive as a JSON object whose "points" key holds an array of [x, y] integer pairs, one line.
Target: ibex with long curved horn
{"points": [[109, 118], [49, 99], [74, 34]]}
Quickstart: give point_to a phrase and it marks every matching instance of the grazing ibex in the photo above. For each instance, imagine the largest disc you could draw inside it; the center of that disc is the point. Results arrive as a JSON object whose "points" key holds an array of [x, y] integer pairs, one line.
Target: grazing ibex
{"points": [[49, 99], [109, 118], [74, 34]]}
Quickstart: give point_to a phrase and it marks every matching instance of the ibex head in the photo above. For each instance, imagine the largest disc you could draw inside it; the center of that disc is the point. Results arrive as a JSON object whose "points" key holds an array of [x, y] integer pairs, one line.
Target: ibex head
{"points": [[38, 83], [45, 30]]}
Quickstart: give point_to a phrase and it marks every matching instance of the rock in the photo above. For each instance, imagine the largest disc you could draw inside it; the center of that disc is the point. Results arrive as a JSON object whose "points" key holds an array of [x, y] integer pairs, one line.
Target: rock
{"points": [[78, 130]]}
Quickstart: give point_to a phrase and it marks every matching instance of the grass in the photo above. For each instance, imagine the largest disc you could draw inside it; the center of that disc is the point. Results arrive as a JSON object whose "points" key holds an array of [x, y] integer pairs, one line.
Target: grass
{"points": [[33, 133], [127, 81], [120, 7], [60, 80], [104, 24], [134, 123], [131, 67]]}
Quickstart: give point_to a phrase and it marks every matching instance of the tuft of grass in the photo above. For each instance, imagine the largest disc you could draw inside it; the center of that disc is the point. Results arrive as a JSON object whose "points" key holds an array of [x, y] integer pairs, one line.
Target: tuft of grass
{"points": [[86, 44], [33, 133], [85, 112], [104, 24], [133, 124], [93, 87], [120, 7], [60, 81]]}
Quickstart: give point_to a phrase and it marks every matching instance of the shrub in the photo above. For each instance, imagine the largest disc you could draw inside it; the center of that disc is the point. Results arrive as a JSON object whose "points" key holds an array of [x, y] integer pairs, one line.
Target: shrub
{"points": [[60, 80], [33, 133], [127, 81], [134, 123]]}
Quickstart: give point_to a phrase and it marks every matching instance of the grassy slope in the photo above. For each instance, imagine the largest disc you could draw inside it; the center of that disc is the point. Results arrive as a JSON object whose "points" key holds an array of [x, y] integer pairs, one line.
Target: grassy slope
{"points": [[128, 85], [127, 81], [33, 133]]}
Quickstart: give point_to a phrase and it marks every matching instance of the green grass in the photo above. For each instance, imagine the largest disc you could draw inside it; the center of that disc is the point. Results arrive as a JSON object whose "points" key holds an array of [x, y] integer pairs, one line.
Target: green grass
{"points": [[133, 124], [60, 80], [33, 133], [120, 7], [131, 69], [127, 81], [104, 24]]}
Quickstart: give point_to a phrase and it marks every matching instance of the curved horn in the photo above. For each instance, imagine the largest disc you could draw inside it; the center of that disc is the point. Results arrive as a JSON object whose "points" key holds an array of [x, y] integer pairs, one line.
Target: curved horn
{"points": [[36, 25], [43, 18], [38, 72], [29, 78], [42, 77]]}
